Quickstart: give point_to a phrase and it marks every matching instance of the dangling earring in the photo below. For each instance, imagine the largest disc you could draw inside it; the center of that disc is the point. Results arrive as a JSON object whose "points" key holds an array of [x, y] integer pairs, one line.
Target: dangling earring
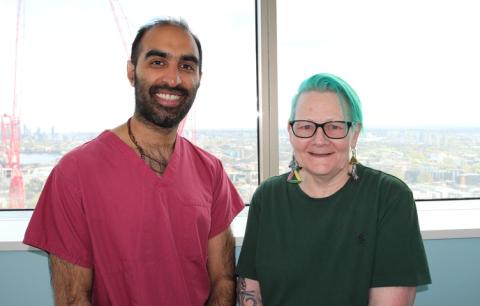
{"points": [[353, 162], [294, 176]]}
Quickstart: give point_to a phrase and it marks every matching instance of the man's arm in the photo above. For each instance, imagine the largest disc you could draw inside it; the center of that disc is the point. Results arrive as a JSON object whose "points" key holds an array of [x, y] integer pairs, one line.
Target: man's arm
{"points": [[221, 269], [72, 284], [248, 292], [392, 296]]}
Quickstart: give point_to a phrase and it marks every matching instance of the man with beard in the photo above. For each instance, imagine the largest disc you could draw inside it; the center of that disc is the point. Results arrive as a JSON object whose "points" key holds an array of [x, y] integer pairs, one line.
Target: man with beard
{"points": [[139, 215]]}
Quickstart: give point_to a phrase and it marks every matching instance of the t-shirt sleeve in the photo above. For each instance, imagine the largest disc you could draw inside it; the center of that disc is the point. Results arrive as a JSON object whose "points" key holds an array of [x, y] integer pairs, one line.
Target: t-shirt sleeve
{"points": [[58, 224], [400, 258], [246, 261], [227, 203]]}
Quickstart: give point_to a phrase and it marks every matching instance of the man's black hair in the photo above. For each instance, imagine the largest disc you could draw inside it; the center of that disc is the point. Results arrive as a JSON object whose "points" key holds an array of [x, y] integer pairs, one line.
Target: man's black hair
{"points": [[161, 22]]}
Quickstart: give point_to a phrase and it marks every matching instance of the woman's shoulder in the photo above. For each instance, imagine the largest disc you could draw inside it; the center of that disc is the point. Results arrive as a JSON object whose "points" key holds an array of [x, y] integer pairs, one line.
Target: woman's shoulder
{"points": [[270, 189], [272, 185], [382, 178], [274, 181]]}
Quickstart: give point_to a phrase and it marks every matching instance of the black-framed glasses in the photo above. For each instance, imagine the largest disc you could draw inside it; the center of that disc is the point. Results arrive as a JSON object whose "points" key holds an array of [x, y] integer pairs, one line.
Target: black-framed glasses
{"points": [[331, 129]]}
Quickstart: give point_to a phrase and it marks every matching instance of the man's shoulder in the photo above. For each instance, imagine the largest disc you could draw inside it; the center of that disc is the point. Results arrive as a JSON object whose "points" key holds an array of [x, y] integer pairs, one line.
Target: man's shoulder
{"points": [[86, 151]]}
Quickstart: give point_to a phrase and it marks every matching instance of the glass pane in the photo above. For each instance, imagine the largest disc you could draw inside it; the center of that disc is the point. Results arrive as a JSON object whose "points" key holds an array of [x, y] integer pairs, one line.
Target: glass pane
{"points": [[70, 83], [415, 67]]}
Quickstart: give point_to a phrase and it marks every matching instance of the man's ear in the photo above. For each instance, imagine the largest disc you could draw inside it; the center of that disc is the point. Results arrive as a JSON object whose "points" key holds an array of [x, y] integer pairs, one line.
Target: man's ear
{"points": [[131, 73]]}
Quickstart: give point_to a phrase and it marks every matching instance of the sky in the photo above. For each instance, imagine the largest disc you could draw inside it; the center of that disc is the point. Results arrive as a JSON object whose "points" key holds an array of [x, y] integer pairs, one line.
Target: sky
{"points": [[72, 65], [411, 62]]}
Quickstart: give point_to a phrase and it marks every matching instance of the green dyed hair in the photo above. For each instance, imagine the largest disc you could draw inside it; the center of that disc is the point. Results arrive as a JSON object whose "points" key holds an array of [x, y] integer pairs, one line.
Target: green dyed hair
{"points": [[325, 82]]}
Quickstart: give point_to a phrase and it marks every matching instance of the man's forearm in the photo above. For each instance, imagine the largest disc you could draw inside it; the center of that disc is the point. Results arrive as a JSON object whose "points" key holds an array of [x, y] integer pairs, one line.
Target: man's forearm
{"points": [[71, 284], [222, 293], [221, 269]]}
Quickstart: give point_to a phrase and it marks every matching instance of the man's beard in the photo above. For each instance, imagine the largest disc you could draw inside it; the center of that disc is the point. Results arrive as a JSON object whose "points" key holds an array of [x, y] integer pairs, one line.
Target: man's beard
{"points": [[165, 117]]}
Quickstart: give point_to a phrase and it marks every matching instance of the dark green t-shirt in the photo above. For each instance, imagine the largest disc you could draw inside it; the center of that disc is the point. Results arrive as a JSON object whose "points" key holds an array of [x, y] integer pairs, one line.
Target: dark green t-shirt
{"points": [[331, 251]]}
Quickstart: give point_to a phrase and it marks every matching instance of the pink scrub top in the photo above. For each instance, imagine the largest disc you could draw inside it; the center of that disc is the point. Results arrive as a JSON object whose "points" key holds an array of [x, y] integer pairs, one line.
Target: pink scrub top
{"points": [[144, 236]]}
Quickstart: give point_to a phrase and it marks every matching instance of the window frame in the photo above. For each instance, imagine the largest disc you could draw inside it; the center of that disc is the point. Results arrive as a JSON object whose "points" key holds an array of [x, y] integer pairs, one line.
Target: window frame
{"points": [[13, 222], [461, 209]]}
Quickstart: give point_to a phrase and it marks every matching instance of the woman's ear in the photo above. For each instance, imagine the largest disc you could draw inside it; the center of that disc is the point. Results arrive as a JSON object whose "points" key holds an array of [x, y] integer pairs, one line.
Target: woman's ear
{"points": [[289, 130], [356, 132]]}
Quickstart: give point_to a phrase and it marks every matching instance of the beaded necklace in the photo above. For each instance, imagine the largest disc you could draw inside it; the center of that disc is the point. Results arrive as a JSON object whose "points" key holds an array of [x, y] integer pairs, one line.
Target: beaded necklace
{"points": [[161, 164]]}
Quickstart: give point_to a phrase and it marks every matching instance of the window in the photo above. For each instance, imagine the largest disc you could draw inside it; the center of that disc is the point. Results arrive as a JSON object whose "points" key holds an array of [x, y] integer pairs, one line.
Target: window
{"points": [[65, 81], [414, 65]]}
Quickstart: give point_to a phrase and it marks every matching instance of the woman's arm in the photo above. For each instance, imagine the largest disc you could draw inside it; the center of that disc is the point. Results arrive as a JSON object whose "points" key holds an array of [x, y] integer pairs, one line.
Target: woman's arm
{"points": [[392, 296], [248, 292]]}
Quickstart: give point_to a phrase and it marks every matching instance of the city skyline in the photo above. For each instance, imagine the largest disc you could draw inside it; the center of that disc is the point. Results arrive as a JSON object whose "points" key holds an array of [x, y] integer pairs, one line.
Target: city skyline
{"points": [[436, 164]]}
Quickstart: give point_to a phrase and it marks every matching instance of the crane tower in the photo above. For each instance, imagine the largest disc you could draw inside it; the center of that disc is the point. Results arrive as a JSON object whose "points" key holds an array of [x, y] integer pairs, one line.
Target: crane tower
{"points": [[10, 128]]}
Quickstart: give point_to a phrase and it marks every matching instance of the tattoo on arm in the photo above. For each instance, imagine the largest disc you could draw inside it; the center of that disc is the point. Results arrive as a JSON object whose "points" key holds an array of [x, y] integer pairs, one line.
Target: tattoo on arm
{"points": [[245, 296]]}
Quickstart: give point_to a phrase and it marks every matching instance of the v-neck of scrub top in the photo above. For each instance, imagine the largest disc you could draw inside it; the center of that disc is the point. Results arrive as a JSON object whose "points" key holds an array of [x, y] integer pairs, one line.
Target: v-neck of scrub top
{"points": [[168, 176]]}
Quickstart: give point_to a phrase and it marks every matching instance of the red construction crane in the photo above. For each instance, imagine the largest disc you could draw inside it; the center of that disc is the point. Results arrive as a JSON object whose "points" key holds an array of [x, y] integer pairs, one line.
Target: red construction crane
{"points": [[10, 128], [123, 26], [10, 123]]}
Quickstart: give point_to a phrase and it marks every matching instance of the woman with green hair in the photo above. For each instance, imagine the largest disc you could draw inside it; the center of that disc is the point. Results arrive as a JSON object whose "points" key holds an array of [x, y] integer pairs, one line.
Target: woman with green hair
{"points": [[331, 231]]}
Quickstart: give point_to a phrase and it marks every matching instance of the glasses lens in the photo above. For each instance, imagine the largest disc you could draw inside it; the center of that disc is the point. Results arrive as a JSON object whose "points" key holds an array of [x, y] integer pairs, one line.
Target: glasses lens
{"points": [[336, 129], [304, 129]]}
